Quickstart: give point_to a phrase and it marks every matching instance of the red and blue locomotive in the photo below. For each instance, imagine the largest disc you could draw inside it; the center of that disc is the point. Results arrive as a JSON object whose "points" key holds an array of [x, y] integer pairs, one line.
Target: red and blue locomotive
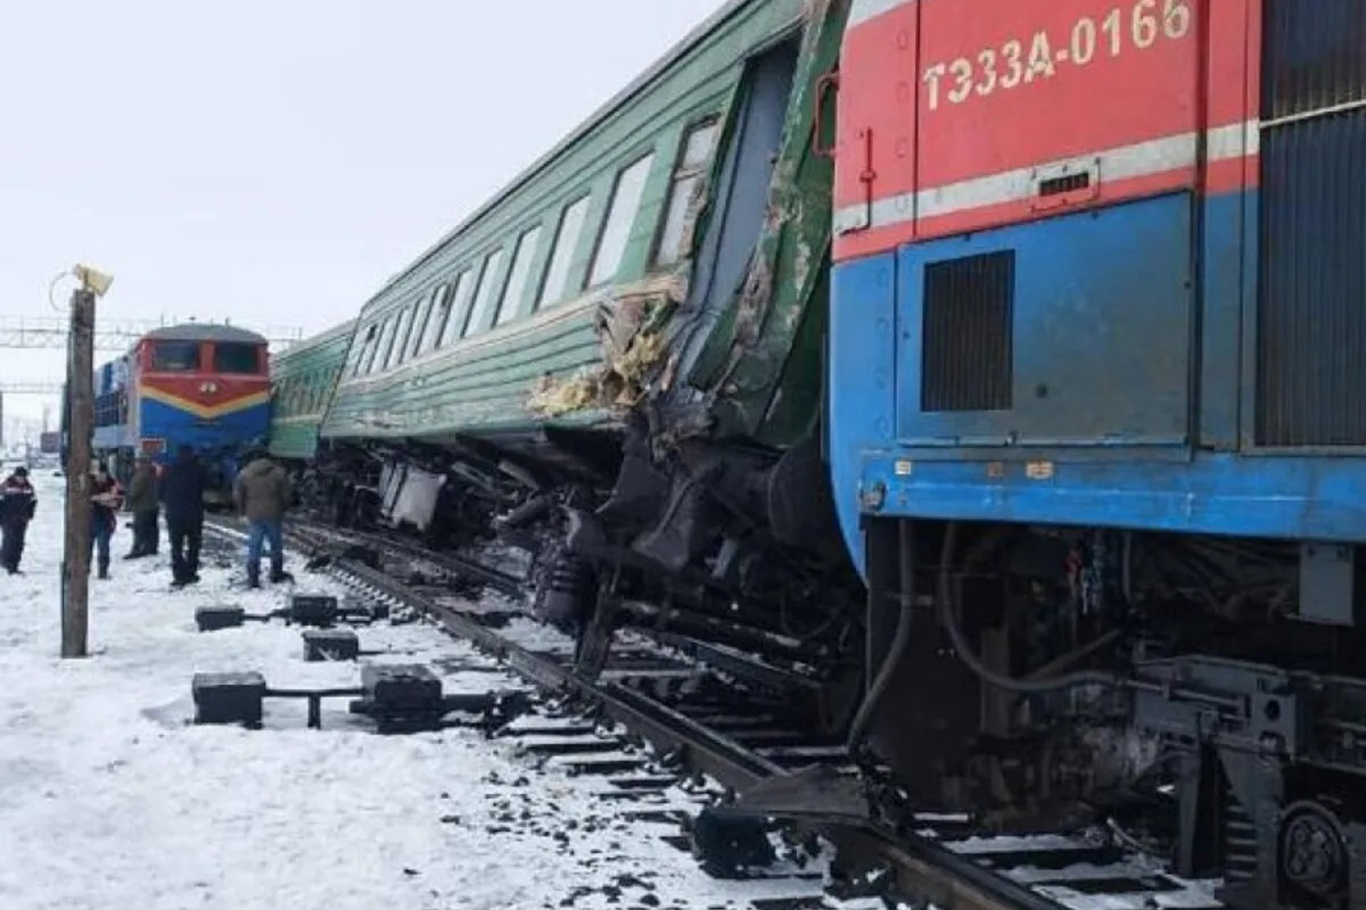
{"points": [[201, 385], [1096, 398]]}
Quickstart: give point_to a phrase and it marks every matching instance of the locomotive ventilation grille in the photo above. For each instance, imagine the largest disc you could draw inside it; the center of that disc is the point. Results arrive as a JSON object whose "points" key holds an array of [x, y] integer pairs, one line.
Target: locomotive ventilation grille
{"points": [[1311, 351], [967, 362]]}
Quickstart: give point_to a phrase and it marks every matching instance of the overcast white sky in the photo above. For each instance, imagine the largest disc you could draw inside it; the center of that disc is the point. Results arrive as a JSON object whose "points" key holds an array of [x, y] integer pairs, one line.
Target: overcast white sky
{"points": [[274, 162]]}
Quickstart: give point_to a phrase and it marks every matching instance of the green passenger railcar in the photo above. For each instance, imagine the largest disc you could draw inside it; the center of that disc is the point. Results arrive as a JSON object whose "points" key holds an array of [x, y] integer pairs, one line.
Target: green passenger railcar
{"points": [[302, 381], [550, 304], [615, 364]]}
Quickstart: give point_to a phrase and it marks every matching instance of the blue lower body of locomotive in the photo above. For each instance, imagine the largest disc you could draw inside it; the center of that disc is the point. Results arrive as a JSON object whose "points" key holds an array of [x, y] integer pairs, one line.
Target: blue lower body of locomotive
{"points": [[1133, 378], [221, 442]]}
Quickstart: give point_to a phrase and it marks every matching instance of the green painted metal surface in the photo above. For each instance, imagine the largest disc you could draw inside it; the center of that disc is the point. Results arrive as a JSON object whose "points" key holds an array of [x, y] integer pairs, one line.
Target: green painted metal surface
{"points": [[762, 367], [572, 361], [302, 380]]}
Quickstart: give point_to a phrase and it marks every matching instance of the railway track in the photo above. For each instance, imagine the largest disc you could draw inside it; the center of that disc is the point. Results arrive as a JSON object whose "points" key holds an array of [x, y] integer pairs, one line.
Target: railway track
{"points": [[703, 711]]}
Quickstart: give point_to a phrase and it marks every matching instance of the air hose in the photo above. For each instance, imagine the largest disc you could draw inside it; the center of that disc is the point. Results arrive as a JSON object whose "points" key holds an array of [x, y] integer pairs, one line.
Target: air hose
{"points": [[948, 616], [900, 641]]}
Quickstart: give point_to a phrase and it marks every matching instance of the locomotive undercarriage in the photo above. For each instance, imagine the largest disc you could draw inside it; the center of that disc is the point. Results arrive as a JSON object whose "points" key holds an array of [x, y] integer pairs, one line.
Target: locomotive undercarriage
{"points": [[1203, 700]]}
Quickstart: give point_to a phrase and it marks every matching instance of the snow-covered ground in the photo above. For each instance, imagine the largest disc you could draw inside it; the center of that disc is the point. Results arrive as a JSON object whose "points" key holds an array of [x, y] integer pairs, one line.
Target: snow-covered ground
{"points": [[110, 799]]}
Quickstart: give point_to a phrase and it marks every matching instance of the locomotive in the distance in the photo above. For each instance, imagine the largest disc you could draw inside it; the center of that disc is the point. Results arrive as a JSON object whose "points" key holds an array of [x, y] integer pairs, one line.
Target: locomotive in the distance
{"points": [[195, 384]]}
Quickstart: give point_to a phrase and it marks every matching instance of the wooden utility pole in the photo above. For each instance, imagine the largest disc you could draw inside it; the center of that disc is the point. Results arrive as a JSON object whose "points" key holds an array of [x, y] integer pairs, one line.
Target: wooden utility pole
{"points": [[80, 385]]}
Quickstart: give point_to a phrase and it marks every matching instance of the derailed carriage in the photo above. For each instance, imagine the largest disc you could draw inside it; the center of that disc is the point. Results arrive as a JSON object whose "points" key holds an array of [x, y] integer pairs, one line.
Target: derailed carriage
{"points": [[616, 363]]}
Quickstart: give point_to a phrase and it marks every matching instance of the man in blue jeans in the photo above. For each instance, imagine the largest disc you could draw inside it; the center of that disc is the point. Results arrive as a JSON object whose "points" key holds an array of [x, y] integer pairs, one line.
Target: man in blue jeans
{"points": [[106, 498], [263, 494]]}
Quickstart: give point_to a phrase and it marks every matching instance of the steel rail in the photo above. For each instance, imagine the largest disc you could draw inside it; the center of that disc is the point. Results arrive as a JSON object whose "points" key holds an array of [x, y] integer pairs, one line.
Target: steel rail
{"points": [[450, 562], [948, 880], [922, 866]]}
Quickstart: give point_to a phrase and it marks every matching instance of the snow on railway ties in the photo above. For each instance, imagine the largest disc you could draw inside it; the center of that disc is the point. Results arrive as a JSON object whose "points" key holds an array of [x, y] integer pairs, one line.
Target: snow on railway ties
{"points": [[649, 791], [120, 802], [636, 787]]}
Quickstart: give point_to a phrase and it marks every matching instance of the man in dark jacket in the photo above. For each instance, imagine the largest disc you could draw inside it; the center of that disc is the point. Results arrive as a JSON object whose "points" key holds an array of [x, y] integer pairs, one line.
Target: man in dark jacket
{"points": [[142, 502], [263, 494], [17, 505], [106, 497], [182, 490]]}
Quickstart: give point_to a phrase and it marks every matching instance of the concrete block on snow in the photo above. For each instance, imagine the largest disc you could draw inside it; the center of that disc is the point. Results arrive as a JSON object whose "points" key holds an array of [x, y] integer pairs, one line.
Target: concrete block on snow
{"points": [[211, 619], [330, 644], [228, 698]]}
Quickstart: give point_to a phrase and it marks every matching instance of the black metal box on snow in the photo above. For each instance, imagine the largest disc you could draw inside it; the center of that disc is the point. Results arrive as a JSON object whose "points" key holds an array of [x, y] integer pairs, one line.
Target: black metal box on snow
{"points": [[228, 698], [401, 690], [212, 619], [330, 644], [313, 609]]}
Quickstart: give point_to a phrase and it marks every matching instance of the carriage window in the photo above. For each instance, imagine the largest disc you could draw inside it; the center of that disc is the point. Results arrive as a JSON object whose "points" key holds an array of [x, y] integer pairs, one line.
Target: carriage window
{"points": [[365, 350], [521, 271], [404, 336], [421, 315], [236, 357], [440, 311], [483, 296], [393, 354], [566, 242], [460, 304], [381, 349], [691, 168], [621, 214], [175, 356]]}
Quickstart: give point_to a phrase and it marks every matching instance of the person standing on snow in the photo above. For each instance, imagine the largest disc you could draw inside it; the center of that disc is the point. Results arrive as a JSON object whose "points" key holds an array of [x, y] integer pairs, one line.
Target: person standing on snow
{"points": [[182, 490], [17, 505], [142, 502], [263, 495], [105, 499]]}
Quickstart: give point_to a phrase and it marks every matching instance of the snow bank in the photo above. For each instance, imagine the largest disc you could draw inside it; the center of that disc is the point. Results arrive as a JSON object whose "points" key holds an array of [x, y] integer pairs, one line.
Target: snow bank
{"points": [[109, 799]]}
